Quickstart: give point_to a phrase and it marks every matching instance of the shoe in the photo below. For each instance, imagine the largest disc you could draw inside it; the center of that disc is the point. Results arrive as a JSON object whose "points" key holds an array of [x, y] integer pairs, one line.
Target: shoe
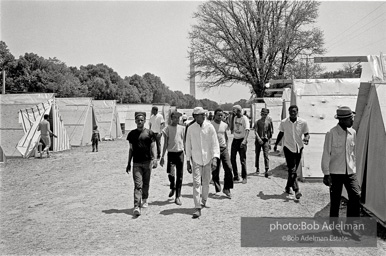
{"points": [[336, 232], [97, 150], [257, 170], [144, 203], [48, 156], [244, 181], [93, 150], [298, 195], [227, 192], [266, 174], [237, 179], [178, 201], [288, 191], [137, 211], [171, 193], [197, 213], [354, 234], [203, 203]]}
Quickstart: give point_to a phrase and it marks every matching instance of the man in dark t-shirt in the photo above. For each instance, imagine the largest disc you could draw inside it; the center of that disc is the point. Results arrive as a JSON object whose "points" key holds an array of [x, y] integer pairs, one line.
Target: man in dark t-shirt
{"points": [[142, 150]]}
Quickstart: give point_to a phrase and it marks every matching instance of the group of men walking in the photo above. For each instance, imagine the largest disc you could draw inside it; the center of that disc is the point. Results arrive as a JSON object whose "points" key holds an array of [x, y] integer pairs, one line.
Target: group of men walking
{"points": [[204, 144]]}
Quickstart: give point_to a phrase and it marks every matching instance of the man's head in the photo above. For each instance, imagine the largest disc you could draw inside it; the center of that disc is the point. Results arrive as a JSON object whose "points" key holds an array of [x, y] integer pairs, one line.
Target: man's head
{"points": [[154, 110], [293, 111], [238, 110], [218, 115], [174, 117], [199, 115], [46, 116], [95, 127], [140, 119], [345, 116], [264, 113]]}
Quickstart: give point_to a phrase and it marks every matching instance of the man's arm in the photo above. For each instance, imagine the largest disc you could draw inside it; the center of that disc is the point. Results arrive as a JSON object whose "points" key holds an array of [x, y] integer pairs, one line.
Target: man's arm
{"points": [[154, 154], [326, 159], [188, 148], [128, 168], [279, 137], [257, 134], [162, 161], [245, 140]]}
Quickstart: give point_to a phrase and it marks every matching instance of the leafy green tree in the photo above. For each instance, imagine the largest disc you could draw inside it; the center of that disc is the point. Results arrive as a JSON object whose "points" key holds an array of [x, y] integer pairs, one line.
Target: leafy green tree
{"points": [[249, 42], [145, 92]]}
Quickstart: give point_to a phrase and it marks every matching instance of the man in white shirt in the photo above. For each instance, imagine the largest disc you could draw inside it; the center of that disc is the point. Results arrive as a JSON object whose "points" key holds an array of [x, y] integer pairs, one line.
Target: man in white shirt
{"points": [[239, 143], [156, 124], [203, 149], [338, 164], [292, 128]]}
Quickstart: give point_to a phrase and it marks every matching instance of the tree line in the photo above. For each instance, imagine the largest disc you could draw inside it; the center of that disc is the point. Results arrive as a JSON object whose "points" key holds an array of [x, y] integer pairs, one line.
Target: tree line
{"points": [[31, 73]]}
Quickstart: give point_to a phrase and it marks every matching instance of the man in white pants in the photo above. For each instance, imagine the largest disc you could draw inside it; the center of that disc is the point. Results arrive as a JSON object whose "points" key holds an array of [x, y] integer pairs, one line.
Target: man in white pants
{"points": [[203, 149]]}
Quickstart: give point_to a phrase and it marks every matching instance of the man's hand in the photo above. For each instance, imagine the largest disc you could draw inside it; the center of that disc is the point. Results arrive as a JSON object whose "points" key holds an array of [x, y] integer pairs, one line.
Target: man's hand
{"points": [[327, 180], [159, 135], [214, 164], [128, 168], [260, 141], [243, 144], [305, 141], [188, 167], [162, 161], [154, 163]]}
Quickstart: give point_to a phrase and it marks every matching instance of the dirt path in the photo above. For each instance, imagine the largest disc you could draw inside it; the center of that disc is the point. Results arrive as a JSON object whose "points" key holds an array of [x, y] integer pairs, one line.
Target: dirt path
{"points": [[80, 203]]}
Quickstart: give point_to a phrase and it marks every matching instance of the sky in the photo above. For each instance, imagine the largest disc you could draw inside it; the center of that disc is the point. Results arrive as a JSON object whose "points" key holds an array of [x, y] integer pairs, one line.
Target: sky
{"points": [[136, 37]]}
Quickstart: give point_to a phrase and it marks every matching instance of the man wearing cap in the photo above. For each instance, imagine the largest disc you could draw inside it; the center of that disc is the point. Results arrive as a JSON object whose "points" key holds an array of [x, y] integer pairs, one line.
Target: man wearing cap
{"points": [[142, 150], [292, 128], [338, 163], [263, 134], [239, 144], [203, 149], [156, 124]]}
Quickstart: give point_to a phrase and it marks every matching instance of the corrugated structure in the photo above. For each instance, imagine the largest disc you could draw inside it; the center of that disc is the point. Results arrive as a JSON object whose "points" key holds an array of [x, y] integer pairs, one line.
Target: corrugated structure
{"points": [[79, 119], [107, 119], [317, 100]]}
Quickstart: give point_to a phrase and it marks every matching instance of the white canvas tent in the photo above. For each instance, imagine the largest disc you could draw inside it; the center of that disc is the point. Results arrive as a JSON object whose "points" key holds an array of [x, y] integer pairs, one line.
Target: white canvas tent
{"points": [[370, 123], [20, 116], [127, 112], [317, 100], [79, 119], [107, 118]]}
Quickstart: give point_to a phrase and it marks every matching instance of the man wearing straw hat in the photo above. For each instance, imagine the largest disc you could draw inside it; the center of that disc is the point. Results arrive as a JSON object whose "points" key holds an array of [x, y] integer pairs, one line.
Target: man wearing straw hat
{"points": [[338, 163]]}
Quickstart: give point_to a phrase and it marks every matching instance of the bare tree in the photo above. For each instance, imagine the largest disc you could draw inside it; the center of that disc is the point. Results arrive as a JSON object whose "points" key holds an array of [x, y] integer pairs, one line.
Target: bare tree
{"points": [[250, 42]]}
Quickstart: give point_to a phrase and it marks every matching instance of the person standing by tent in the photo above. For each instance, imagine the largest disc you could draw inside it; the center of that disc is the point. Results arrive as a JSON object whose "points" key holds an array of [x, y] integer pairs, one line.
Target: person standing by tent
{"points": [[45, 132], [95, 138], [174, 144], [142, 150], [338, 163], [202, 149], [221, 130], [292, 128], [263, 134], [239, 143], [156, 124]]}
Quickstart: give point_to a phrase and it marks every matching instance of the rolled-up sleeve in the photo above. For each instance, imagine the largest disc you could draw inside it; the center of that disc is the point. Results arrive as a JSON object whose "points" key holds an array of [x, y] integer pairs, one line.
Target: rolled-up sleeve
{"points": [[326, 154]]}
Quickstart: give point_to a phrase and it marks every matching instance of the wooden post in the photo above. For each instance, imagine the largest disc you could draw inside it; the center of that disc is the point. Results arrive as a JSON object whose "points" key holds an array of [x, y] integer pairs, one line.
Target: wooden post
{"points": [[3, 91]]}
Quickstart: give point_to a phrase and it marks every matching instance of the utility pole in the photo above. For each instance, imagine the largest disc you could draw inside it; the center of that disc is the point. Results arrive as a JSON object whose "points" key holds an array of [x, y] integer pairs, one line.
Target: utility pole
{"points": [[307, 58], [3, 90]]}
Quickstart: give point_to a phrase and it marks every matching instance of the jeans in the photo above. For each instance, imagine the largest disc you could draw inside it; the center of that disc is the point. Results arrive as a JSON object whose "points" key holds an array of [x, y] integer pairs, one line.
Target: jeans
{"points": [[158, 143], [265, 148], [176, 158], [141, 177], [228, 175], [201, 172], [350, 182], [293, 161], [236, 143]]}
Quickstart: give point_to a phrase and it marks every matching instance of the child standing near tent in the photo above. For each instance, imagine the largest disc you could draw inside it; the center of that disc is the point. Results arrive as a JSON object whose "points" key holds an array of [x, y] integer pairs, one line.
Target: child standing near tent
{"points": [[95, 138], [45, 132]]}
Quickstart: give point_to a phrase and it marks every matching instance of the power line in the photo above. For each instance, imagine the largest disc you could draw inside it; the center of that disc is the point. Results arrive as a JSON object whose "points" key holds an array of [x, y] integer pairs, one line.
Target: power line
{"points": [[358, 34], [383, 39], [341, 34], [381, 15]]}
